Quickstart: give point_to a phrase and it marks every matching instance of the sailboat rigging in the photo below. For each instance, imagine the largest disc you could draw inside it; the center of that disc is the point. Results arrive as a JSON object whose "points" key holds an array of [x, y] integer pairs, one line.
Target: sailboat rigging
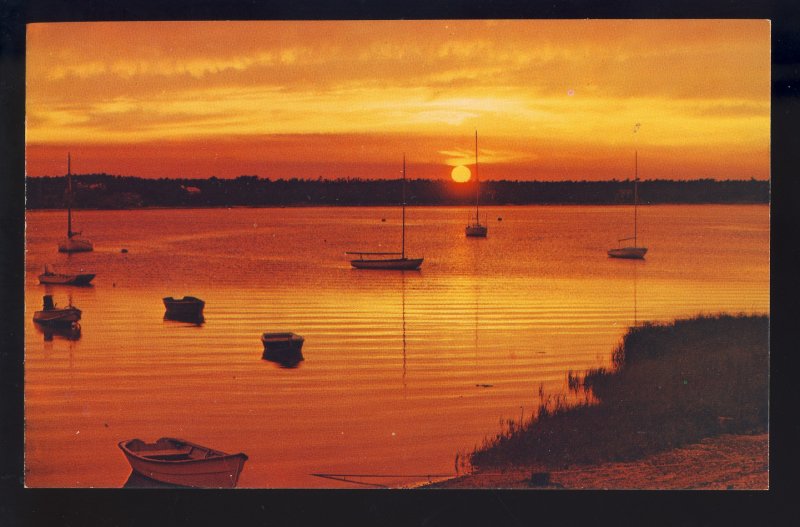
{"points": [[73, 243], [398, 264], [476, 230], [634, 252]]}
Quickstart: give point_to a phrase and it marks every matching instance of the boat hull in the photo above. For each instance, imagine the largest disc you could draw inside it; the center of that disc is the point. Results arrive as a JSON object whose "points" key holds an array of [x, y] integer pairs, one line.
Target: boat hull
{"points": [[66, 279], [65, 316], [630, 253], [284, 348], [476, 231], [185, 309], [219, 471], [75, 245], [393, 264]]}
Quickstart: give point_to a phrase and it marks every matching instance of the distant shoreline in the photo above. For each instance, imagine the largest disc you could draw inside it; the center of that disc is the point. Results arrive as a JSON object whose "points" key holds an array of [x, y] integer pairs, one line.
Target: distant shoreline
{"points": [[384, 206], [103, 191]]}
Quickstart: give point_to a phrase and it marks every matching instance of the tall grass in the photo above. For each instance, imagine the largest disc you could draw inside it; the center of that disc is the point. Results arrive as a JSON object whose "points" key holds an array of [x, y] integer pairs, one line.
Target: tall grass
{"points": [[670, 384]]}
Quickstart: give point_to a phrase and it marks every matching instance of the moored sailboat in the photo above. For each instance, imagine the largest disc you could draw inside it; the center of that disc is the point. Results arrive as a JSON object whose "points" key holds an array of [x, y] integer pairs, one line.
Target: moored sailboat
{"points": [[73, 242], [397, 264], [476, 229], [632, 252], [50, 277]]}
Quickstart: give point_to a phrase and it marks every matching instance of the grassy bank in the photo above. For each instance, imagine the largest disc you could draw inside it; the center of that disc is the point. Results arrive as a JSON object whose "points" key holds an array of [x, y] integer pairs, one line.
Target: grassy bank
{"points": [[671, 385]]}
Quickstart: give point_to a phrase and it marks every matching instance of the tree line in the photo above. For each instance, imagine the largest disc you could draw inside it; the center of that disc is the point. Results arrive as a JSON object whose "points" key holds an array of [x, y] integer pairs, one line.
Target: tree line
{"points": [[104, 191]]}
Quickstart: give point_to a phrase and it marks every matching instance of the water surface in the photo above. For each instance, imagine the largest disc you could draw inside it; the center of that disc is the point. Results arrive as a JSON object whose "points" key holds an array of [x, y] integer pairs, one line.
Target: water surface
{"points": [[403, 369]]}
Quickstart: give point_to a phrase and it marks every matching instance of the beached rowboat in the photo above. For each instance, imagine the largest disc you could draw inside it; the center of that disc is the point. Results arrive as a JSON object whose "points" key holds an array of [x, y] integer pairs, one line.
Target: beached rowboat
{"points": [[181, 462]]}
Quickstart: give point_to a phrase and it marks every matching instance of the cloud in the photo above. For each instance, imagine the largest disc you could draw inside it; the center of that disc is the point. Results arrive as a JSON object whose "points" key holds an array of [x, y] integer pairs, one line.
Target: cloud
{"points": [[690, 83]]}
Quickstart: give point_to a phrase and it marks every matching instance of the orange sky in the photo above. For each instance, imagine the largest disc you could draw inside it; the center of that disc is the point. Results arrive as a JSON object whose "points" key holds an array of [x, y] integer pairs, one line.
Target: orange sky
{"points": [[550, 99]]}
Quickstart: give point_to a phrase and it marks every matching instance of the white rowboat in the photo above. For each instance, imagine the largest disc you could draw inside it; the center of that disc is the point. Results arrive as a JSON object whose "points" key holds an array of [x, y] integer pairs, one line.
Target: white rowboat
{"points": [[180, 462]]}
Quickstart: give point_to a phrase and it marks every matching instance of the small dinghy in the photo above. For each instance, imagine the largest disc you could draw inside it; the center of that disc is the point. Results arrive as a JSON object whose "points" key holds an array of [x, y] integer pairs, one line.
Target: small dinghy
{"points": [[180, 462], [53, 278], [56, 316], [284, 348], [188, 309]]}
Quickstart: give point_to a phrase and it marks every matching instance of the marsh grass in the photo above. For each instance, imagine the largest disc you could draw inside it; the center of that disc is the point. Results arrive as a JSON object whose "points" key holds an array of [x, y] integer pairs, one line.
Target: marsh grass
{"points": [[670, 384]]}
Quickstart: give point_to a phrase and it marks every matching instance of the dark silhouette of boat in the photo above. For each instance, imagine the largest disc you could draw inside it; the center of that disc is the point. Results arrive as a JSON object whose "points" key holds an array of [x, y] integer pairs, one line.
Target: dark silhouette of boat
{"points": [[632, 252], [396, 264], [284, 348], [476, 229], [52, 278], [72, 243], [181, 462], [51, 315], [186, 309]]}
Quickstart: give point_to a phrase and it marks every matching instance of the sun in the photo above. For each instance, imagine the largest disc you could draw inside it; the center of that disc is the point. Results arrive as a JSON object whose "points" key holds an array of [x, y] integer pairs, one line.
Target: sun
{"points": [[461, 174]]}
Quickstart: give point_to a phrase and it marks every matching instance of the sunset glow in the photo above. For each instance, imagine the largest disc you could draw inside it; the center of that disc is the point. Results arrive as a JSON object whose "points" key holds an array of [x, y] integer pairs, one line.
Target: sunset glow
{"points": [[552, 99]]}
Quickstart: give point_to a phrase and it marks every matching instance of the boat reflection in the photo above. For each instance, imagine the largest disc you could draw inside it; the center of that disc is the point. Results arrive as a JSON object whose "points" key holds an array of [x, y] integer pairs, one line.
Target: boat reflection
{"points": [[70, 332], [186, 320], [137, 481], [403, 288]]}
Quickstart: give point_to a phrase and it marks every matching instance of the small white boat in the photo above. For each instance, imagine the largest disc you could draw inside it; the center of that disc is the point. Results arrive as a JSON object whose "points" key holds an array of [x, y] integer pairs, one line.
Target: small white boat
{"points": [[52, 278], [56, 316], [73, 242], [180, 462], [386, 264], [635, 252], [476, 229]]}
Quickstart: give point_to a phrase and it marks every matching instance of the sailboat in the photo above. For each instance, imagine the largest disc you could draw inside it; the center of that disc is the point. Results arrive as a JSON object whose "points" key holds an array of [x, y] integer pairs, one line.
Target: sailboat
{"points": [[476, 230], [396, 264], [51, 277], [73, 243], [634, 252]]}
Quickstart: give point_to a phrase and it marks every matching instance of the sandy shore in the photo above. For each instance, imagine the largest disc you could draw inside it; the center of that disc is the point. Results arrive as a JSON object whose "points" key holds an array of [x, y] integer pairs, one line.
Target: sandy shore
{"points": [[718, 463]]}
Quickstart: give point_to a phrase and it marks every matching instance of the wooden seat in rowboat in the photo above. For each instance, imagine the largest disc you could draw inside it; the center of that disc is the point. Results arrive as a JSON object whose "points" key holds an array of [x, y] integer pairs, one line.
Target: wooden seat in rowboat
{"points": [[167, 454]]}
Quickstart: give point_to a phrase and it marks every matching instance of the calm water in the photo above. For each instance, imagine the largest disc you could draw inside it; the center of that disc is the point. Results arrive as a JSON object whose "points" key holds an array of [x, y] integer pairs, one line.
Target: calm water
{"points": [[402, 370]]}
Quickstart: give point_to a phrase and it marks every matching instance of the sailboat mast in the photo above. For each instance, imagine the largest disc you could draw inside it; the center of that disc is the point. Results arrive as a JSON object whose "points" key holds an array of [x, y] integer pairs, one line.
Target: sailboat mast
{"points": [[477, 181], [635, 197], [403, 250], [69, 195]]}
